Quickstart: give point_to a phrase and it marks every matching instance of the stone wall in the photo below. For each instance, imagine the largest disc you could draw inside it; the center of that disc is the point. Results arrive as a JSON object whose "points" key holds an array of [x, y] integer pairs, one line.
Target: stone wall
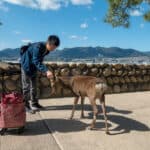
{"points": [[120, 78]]}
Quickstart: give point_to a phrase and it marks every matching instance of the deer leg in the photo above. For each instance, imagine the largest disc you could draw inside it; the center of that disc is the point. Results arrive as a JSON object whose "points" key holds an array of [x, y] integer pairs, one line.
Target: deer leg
{"points": [[95, 111], [73, 109], [82, 107], [102, 101]]}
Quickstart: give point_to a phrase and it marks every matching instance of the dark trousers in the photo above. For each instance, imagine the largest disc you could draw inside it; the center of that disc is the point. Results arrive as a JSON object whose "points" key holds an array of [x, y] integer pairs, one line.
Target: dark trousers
{"points": [[29, 88]]}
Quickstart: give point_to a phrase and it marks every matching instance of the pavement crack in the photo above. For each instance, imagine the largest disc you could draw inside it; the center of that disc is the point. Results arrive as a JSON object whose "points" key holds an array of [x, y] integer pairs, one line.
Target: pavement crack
{"points": [[50, 131]]}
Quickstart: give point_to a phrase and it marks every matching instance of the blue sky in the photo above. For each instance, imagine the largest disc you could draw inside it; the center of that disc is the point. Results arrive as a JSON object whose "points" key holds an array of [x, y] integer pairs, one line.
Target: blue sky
{"points": [[76, 22]]}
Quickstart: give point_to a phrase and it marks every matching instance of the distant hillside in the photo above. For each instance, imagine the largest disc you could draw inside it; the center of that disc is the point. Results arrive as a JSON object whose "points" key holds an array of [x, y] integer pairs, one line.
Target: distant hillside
{"points": [[147, 53], [93, 52], [9, 53], [80, 53]]}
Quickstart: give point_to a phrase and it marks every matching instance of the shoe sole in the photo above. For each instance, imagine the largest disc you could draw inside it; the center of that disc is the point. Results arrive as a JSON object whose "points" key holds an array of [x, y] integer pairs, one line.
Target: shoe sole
{"points": [[37, 109], [31, 111]]}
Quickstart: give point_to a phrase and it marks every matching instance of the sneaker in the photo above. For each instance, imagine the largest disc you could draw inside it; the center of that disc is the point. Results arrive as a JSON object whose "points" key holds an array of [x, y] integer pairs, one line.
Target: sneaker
{"points": [[36, 107], [29, 110]]}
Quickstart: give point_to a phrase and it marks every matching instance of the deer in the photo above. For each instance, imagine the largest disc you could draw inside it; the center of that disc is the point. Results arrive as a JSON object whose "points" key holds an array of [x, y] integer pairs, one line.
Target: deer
{"points": [[84, 86]]}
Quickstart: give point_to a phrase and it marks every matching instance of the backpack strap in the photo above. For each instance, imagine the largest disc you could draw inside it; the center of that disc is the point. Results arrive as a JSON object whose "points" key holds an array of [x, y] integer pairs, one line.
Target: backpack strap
{"points": [[42, 47], [24, 48], [3, 89]]}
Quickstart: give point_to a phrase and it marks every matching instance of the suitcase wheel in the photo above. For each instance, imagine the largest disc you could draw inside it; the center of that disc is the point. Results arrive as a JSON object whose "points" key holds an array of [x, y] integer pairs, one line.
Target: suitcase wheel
{"points": [[21, 130], [3, 131]]}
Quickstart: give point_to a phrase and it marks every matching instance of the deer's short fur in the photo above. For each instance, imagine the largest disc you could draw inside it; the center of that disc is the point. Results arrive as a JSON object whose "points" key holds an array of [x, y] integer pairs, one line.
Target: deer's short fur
{"points": [[85, 86]]}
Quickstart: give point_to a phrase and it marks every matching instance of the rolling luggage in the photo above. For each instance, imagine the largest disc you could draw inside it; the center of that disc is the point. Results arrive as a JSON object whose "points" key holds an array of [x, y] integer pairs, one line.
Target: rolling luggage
{"points": [[12, 111]]}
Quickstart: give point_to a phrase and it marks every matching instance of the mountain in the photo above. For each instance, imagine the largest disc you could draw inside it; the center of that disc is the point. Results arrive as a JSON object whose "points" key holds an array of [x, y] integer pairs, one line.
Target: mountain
{"points": [[147, 53], [9, 53], [94, 52], [80, 53]]}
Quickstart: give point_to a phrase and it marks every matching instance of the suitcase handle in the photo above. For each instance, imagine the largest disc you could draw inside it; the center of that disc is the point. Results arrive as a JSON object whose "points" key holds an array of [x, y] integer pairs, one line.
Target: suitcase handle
{"points": [[2, 82], [3, 90], [3, 74]]}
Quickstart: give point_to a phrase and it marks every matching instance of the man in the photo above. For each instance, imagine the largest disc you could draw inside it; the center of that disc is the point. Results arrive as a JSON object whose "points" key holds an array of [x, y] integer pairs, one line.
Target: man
{"points": [[31, 61]]}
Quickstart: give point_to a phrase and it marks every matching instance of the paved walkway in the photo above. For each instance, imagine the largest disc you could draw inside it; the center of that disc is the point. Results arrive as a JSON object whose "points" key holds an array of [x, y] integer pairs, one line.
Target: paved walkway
{"points": [[129, 123]]}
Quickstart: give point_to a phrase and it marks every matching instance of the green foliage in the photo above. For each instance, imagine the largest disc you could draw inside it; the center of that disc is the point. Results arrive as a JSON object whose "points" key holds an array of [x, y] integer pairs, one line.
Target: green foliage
{"points": [[147, 16], [119, 11]]}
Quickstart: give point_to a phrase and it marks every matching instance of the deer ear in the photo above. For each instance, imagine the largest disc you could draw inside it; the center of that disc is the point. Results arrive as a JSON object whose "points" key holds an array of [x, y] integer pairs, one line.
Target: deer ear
{"points": [[52, 82], [56, 77]]}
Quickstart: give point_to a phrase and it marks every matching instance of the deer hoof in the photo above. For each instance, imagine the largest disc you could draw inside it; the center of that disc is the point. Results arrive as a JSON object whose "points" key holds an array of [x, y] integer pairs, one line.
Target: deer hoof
{"points": [[82, 117], [90, 128], [107, 132], [70, 118]]}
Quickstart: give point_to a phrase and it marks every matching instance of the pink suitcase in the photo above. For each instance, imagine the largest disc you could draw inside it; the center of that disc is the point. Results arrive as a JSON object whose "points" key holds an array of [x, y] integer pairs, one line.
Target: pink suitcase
{"points": [[12, 112]]}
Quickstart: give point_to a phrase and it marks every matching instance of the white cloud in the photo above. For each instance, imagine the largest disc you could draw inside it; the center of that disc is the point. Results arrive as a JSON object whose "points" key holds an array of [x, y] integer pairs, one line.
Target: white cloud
{"points": [[26, 41], [73, 37], [141, 25], [84, 25], [82, 2], [76, 37], [47, 4], [38, 4], [84, 38], [95, 19], [89, 7], [3, 7], [136, 13], [63, 33], [16, 32]]}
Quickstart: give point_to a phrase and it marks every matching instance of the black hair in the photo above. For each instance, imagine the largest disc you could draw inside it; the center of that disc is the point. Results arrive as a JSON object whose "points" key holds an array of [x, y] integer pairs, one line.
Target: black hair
{"points": [[54, 40]]}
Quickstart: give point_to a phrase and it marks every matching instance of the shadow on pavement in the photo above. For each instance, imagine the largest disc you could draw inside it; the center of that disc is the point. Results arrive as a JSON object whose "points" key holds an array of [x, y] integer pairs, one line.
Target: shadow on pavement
{"points": [[87, 108], [127, 124], [60, 125], [40, 127], [123, 124]]}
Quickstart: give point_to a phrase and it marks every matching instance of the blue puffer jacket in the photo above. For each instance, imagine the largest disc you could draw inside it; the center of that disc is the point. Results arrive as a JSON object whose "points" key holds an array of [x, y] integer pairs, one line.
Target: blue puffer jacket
{"points": [[32, 58]]}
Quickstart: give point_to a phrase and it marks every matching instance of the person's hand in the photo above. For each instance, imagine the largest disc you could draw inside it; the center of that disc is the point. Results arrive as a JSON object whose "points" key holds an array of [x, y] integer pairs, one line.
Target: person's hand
{"points": [[49, 74]]}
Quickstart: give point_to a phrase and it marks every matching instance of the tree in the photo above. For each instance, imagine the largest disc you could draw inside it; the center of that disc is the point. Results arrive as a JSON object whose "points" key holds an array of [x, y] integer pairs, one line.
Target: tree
{"points": [[120, 11]]}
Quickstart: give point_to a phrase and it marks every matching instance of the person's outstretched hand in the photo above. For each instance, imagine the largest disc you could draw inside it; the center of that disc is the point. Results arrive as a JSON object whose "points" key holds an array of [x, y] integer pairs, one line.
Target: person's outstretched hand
{"points": [[49, 74]]}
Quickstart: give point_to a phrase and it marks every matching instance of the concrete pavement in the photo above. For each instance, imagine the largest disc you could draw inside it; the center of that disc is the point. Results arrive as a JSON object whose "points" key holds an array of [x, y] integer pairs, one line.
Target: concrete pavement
{"points": [[36, 137], [129, 124]]}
